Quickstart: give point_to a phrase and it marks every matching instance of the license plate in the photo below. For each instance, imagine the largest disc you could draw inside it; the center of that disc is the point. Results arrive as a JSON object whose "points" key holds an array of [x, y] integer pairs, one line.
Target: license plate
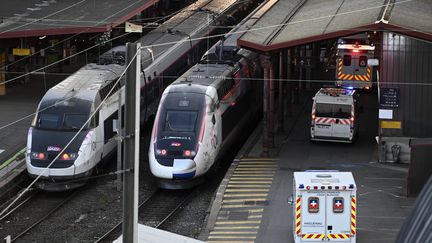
{"points": [[323, 126]]}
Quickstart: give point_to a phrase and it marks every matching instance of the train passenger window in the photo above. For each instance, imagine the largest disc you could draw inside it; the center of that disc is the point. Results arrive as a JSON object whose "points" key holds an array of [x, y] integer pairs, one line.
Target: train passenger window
{"points": [[347, 60], [180, 121], [74, 121], [48, 121], [362, 61]]}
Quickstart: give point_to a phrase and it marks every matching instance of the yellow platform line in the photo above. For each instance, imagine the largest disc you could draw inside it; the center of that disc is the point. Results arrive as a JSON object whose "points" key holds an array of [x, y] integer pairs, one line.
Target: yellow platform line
{"points": [[254, 169], [247, 190], [233, 232], [252, 178], [237, 206], [247, 176], [229, 241], [258, 216], [254, 172], [235, 227], [246, 210], [246, 195], [230, 237], [250, 182], [258, 158], [245, 200], [236, 185], [272, 165], [238, 222]]}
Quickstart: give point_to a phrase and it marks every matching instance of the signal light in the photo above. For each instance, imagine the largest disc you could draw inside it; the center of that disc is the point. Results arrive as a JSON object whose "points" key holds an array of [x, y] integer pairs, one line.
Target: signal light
{"points": [[308, 188], [356, 50], [65, 157]]}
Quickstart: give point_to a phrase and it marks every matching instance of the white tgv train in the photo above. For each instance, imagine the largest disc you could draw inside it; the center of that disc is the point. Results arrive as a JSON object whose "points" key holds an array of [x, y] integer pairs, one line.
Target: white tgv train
{"points": [[202, 112], [169, 49]]}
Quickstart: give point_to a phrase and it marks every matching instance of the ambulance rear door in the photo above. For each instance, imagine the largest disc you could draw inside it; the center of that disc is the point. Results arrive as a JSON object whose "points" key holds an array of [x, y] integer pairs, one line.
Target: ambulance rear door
{"points": [[313, 226], [341, 125], [338, 214], [323, 119]]}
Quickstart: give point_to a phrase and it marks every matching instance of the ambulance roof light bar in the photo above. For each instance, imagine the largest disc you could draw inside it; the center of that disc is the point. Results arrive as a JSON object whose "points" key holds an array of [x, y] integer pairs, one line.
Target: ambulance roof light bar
{"points": [[356, 47]]}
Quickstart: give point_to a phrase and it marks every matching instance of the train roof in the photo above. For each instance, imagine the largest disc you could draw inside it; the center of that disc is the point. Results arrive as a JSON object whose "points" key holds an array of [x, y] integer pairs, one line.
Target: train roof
{"points": [[200, 76], [85, 83], [182, 25]]}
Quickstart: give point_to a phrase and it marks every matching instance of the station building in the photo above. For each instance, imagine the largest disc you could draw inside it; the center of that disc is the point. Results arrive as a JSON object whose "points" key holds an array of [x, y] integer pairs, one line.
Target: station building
{"points": [[34, 34], [296, 38]]}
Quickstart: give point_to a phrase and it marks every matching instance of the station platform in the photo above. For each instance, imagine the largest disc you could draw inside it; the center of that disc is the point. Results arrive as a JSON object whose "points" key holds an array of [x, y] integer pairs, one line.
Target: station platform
{"points": [[148, 234], [252, 202]]}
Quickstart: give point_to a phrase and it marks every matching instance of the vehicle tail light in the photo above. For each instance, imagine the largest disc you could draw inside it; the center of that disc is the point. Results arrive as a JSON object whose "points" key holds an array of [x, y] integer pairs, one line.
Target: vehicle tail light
{"points": [[352, 119]]}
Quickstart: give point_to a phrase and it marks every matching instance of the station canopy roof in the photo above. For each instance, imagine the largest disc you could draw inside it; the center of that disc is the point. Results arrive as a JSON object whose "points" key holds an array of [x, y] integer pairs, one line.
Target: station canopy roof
{"points": [[56, 17], [288, 23]]}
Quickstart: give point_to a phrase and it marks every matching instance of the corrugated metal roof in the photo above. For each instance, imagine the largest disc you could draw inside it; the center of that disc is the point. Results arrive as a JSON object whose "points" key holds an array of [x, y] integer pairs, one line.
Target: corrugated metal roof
{"points": [[52, 17], [293, 22]]}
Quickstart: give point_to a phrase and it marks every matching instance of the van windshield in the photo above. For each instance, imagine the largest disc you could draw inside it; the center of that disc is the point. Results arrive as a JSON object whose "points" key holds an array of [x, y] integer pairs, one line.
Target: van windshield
{"points": [[333, 110]]}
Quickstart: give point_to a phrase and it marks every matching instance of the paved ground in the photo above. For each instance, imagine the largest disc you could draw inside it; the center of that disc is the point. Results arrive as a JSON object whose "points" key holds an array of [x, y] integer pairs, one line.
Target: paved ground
{"points": [[382, 205]]}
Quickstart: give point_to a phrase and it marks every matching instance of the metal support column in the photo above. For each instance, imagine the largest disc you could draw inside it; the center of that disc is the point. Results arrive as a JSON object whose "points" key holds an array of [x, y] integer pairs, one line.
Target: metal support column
{"points": [[271, 103], [265, 144], [281, 93], [289, 100], [131, 157]]}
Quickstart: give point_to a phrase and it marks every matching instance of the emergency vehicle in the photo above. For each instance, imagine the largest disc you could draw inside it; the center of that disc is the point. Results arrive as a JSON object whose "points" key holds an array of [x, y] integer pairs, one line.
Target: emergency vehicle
{"points": [[334, 115], [352, 68], [324, 206]]}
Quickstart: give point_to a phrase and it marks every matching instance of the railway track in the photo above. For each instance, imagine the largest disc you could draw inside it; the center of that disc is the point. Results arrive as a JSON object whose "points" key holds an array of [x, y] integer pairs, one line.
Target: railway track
{"points": [[30, 211], [154, 211]]}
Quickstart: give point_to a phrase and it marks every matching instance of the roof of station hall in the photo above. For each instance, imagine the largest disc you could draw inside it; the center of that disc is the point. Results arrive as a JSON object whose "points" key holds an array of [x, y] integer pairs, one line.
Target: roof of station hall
{"points": [[58, 17], [287, 23]]}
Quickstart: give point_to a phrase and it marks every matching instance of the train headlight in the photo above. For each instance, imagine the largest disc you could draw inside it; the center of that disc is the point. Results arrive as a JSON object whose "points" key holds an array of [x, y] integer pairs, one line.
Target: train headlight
{"points": [[39, 156], [68, 156], [189, 153], [162, 152]]}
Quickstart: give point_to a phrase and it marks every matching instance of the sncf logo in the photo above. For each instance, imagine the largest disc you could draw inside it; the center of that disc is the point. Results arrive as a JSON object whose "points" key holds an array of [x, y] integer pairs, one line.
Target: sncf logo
{"points": [[53, 148], [175, 144]]}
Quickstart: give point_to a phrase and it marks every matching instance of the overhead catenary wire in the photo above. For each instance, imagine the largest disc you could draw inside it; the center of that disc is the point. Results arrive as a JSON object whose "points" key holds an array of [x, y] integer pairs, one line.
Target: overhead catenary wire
{"points": [[220, 35], [70, 141]]}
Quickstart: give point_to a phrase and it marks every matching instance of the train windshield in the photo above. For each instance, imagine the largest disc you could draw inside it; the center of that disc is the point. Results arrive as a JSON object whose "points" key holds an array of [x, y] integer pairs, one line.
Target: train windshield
{"points": [[61, 121], [180, 121]]}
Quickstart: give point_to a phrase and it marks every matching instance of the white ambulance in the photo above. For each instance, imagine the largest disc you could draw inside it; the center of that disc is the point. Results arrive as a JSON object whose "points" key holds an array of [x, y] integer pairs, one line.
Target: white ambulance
{"points": [[334, 115], [353, 69], [324, 206]]}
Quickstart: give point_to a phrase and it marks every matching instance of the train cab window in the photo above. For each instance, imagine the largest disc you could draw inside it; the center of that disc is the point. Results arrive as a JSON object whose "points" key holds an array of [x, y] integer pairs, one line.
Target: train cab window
{"points": [[74, 121], [362, 61], [347, 60], [47, 121], [180, 121]]}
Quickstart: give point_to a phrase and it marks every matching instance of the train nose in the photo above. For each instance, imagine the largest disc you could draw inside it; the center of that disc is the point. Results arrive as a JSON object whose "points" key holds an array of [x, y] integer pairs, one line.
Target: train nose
{"points": [[184, 169]]}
